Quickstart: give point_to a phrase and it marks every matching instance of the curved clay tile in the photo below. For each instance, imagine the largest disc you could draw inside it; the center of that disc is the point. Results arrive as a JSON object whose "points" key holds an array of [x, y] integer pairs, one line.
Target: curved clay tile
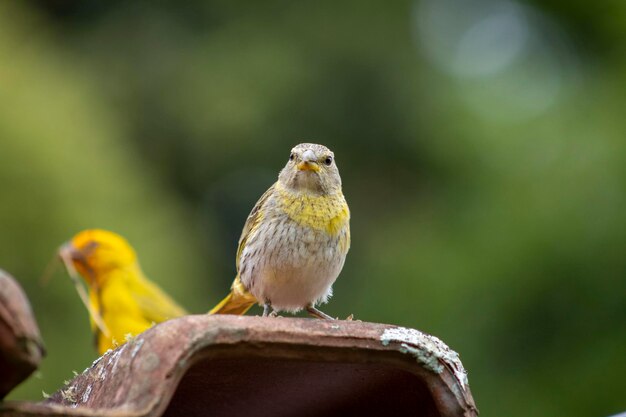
{"points": [[21, 348], [255, 366]]}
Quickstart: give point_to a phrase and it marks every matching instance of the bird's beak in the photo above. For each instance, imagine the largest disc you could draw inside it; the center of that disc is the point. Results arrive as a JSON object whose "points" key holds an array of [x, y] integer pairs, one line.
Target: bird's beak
{"points": [[69, 254], [67, 251], [309, 162]]}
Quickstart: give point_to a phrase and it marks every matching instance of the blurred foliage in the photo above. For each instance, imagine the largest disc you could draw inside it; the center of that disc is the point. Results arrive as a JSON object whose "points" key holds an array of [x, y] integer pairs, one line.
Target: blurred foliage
{"points": [[481, 144]]}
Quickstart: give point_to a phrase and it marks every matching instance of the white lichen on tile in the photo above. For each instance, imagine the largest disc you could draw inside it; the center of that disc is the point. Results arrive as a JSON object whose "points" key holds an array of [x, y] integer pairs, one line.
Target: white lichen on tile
{"points": [[114, 359], [101, 373], [426, 358], [85, 397], [136, 346], [95, 362], [429, 350]]}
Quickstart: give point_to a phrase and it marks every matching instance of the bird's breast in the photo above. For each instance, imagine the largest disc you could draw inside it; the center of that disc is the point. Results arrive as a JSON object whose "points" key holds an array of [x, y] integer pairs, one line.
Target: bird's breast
{"points": [[292, 264]]}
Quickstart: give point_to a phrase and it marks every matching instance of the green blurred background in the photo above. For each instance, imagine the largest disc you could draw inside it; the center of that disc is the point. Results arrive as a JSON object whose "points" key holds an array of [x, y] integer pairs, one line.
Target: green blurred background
{"points": [[482, 146]]}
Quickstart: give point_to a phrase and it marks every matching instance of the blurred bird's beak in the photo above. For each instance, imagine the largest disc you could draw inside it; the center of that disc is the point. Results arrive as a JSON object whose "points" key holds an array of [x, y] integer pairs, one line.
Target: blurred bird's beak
{"points": [[69, 254], [309, 162], [66, 248]]}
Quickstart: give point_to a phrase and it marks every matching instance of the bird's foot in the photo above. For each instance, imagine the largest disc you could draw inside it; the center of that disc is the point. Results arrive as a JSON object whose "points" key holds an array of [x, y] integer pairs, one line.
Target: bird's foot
{"points": [[267, 310], [317, 313]]}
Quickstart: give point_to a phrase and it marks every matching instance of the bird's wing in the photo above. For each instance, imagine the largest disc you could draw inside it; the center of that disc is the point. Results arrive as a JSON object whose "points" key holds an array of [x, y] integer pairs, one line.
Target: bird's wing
{"points": [[156, 306], [253, 221], [94, 319]]}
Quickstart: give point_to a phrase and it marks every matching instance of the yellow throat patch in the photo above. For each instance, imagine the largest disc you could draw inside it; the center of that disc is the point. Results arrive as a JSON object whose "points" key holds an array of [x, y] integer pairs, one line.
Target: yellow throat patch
{"points": [[327, 212]]}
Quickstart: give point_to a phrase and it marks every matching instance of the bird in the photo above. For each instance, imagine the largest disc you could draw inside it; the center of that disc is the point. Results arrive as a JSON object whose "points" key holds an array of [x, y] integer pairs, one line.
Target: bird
{"points": [[122, 301], [295, 241]]}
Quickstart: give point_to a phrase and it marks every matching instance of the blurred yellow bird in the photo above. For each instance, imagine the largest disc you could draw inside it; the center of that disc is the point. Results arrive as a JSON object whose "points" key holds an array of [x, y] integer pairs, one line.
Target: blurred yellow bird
{"points": [[295, 240], [122, 302]]}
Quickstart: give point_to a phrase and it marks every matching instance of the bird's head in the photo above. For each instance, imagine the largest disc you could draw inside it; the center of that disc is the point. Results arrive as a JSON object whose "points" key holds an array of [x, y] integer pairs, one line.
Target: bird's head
{"points": [[311, 168], [93, 252]]}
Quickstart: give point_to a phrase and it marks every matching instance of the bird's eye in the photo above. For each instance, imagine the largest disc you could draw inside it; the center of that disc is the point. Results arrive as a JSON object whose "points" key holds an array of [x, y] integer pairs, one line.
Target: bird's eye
{"points": [[292, 156], [328, 160]]}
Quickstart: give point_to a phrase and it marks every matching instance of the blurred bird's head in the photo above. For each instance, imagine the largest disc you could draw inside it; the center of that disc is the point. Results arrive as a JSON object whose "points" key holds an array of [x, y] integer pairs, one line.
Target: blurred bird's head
{"points": [[311, 168], [93, 252]]}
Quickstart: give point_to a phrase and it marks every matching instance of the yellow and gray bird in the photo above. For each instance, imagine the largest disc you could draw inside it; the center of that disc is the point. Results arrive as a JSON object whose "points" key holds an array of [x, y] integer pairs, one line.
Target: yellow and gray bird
{"points": [[295, 240]]}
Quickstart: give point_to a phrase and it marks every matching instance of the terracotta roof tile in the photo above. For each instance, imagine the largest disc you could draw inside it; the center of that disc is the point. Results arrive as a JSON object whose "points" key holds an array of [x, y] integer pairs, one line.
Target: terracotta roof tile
{"points": [[21, 348], [254, 366]]}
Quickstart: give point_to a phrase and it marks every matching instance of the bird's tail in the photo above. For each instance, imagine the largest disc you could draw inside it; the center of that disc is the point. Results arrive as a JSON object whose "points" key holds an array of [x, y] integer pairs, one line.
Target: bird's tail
{"points": [[238, 301]]}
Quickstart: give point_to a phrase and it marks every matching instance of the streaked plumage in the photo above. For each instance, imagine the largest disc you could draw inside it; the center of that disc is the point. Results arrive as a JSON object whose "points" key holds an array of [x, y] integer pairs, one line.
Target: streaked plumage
{"points": [[295, 240]]}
